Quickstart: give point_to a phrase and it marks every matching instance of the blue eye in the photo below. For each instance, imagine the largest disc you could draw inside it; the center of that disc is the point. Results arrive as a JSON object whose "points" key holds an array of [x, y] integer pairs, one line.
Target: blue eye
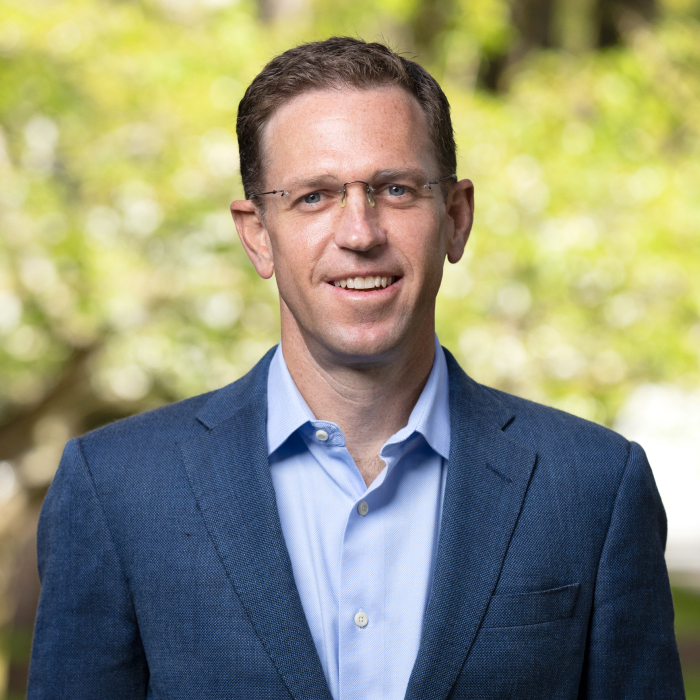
{"points": [[396, 190], [312, 198]]}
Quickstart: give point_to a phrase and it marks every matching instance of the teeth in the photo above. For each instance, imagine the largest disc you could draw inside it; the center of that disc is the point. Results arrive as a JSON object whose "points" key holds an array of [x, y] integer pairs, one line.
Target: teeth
{"points": [[365, 282]]}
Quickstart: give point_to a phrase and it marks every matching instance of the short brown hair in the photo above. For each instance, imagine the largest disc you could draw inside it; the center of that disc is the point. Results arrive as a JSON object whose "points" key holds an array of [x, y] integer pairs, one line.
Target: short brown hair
{"points": [[333, 63]]}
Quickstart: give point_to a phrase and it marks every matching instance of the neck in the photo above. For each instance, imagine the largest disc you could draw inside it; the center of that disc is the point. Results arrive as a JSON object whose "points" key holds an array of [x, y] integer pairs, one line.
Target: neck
{"points": [[368, 400]]}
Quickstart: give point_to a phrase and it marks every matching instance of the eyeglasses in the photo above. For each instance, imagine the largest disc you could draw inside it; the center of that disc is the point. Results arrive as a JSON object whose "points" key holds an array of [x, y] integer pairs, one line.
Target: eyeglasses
{"points": [[386, 192]]}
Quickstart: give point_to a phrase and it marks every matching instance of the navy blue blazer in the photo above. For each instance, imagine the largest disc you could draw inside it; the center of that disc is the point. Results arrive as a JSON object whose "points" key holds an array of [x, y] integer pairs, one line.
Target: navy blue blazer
{"points": [[165, 573]]}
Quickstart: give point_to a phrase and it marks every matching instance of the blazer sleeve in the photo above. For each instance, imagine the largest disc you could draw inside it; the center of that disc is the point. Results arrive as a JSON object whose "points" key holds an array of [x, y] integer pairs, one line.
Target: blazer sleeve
{"points": [[631, 649], [86, 640]]}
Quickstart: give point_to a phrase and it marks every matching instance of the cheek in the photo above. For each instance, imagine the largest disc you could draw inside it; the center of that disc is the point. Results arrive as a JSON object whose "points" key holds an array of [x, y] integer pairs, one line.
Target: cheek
{"points": [[424, 249], [297, 254]]}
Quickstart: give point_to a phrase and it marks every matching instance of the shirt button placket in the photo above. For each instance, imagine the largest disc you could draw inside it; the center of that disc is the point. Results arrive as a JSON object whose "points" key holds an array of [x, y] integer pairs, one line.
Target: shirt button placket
{"points": [[361, 592]]}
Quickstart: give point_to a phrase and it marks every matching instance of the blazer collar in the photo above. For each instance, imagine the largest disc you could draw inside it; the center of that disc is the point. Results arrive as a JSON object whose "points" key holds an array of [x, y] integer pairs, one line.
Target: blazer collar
{"points": [[228, 472], [487, 478]]}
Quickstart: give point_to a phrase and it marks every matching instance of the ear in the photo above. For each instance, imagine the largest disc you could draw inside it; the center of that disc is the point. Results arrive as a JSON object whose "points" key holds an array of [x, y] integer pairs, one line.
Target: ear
{"points": [[460, 213], [254, 236]]}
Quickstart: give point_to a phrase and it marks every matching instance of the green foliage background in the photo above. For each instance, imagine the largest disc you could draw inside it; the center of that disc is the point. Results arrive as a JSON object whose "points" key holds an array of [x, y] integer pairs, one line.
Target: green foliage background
{"points": [[118, 160]]}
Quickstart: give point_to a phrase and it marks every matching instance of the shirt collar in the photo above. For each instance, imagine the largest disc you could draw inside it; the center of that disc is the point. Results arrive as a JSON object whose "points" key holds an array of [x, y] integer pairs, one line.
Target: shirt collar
{"points": [[287, 410]]}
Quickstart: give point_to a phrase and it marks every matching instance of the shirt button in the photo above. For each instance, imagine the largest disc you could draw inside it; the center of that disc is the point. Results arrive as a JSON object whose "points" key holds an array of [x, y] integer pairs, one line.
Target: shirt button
{"points": [[322, 435], [362, 509], [361, 619]]}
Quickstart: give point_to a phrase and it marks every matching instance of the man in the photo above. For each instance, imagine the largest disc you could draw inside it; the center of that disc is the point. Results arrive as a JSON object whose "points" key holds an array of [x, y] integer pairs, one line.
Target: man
{"points": [[355, 518]]}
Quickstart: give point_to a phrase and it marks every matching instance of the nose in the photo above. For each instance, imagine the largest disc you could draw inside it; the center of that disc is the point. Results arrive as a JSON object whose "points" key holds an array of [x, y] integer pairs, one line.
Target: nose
{"points": [[358, 227]]}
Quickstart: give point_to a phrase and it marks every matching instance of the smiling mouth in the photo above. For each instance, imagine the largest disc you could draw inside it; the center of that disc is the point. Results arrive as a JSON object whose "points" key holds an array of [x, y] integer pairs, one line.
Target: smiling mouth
{"points": [[365, 283]]}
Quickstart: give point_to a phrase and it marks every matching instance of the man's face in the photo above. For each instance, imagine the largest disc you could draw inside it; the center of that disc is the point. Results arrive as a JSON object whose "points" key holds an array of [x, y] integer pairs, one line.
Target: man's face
{"points": [[312, 145]]}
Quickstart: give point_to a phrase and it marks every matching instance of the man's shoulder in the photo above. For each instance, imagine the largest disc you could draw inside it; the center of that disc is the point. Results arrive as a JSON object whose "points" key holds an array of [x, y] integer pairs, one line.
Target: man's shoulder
{"points": [[566, 449], [551, 420], [570, 450], [545, 429], [158, 430], [548, 429], [175, 420]]}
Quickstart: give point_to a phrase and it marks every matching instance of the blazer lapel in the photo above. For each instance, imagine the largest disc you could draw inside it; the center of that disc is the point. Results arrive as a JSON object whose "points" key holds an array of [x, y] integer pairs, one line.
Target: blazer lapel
{"points": [[229, 474], [487, 478]]}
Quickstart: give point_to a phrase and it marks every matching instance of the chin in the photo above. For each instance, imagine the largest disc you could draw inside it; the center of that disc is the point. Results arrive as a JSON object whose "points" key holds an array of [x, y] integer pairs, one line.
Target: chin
{"points": [[364, 347]]}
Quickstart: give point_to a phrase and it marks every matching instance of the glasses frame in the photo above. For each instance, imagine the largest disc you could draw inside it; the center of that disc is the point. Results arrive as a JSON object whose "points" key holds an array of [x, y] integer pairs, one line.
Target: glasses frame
{"points": [[368, 189]]}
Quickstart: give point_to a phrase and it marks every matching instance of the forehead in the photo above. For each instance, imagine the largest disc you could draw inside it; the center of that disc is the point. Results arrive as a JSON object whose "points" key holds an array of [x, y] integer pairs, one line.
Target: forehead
{"points": [[348, 133]]}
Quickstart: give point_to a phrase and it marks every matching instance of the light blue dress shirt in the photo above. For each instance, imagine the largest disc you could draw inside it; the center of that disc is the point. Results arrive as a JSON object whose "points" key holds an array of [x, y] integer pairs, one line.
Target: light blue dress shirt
{"points": [[362, 557]]}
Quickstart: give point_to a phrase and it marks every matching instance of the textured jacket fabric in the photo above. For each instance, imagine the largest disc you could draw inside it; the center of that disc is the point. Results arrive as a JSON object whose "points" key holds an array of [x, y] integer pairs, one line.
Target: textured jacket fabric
{"points": [[165, 573]]}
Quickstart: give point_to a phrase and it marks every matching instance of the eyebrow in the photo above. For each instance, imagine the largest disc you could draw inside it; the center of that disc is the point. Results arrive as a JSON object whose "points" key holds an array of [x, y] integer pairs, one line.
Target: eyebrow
{"points": [[324, 180], [400, 174], [312, 181]]}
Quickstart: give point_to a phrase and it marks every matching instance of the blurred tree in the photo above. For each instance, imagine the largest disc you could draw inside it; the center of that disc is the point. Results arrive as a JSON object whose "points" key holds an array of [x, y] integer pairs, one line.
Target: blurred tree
{"points": [[613, 15], [542, 24], [533, 19], [430, 20]]}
